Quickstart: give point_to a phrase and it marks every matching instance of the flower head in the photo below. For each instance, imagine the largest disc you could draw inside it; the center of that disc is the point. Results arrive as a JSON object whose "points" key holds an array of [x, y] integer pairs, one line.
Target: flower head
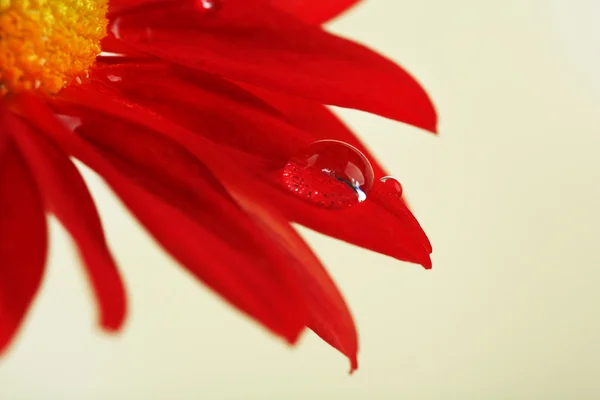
{"points": [[46, 44], [207, 120]]}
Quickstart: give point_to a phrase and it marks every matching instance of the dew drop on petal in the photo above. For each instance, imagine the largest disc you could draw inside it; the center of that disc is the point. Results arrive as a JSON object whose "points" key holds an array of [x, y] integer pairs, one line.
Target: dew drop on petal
{"points": [[115, 28], [207, 4], [145, 22], [114, 78], [392, 185], [70, 122], [330, 174]]}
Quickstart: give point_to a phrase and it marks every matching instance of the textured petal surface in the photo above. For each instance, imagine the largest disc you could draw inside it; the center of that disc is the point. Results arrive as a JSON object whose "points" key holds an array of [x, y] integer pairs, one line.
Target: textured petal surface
{"points": [[256, 43], [65, 195], [187, 211], [23, 236], [315, 11]]}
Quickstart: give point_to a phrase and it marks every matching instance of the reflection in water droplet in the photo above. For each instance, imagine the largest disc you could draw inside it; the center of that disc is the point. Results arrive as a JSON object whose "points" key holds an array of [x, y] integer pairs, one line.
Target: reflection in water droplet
{"points": [[146, 21], [329, 173], [392, 185], [70, 122], [208, 4], [110, 54], [115, 28], [114, 78]]}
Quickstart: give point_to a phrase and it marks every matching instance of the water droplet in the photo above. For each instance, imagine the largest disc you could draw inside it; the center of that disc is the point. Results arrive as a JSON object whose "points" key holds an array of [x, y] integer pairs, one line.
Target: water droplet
{"points": [[115, 28], [149, 34], [114, 78], [207, 4], [329, 173], [110, 54], [70, 122], [392, 185], [145, 22]]}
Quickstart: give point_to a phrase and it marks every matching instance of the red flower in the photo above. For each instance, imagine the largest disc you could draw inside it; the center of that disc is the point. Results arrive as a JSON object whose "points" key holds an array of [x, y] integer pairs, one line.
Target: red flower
{"points": [[200, 116]]}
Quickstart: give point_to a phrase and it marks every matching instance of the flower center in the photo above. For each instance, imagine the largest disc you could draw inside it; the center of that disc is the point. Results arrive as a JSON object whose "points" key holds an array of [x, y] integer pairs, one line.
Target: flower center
{"points": [[47, 44]]}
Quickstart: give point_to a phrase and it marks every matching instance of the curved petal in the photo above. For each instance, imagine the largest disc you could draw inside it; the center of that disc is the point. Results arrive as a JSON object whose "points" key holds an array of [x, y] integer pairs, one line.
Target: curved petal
{"points": [[328, 314], [66, 196], [220, 111], [178, 200], [321, 123], [312, 11], [315, 119], [23, 236], [395, 234], [315, 11], [256, 43], [400, 236]]}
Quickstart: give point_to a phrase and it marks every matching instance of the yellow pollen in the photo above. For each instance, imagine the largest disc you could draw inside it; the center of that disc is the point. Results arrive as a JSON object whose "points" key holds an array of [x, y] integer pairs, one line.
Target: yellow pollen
{"points": [[48, 44]]}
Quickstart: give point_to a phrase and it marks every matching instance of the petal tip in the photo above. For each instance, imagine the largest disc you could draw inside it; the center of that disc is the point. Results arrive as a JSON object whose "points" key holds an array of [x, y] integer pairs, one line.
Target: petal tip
{"points": [[112, 321], [434, 129], [427, 264], [5, 343], [353, 365], [431, 123], [292, 337], [112, 325]]}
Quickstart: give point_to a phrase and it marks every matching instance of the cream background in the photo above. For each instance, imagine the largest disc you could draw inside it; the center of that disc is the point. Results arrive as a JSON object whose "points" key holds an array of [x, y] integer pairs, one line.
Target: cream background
{"points": [[508, 194]]}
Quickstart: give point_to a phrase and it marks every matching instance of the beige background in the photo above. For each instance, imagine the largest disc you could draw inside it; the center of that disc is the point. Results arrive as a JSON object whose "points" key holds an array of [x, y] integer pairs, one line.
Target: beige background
{"points": [[508, 193]]}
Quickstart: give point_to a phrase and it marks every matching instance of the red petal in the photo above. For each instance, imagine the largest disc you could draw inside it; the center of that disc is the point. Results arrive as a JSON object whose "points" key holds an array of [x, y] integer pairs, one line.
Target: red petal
{"points": [[398, 235], [256, 43], [315, 11], [123, 5], [321, 123], [316, 120], [381, 230], [328, 314], [392, 237], [22, 237], [66, 196], [215, 113], [188, 212], [216, 109]]}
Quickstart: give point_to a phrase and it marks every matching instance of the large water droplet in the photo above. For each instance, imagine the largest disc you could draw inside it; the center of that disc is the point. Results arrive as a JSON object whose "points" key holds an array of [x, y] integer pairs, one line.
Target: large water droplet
{"points": [[392, 185], [329, 173]]}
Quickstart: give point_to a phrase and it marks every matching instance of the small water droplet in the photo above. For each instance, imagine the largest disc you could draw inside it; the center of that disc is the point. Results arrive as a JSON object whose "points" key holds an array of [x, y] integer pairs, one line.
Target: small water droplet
{"points": [[70, 122], [110, 54], [114, 78], [329, 173], [115, 28], [207, 4], [392, 185]]}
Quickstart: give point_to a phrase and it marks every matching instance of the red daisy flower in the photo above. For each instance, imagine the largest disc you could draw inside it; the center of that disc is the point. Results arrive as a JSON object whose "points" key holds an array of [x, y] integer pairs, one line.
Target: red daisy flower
{"points": [[206, 118]]}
